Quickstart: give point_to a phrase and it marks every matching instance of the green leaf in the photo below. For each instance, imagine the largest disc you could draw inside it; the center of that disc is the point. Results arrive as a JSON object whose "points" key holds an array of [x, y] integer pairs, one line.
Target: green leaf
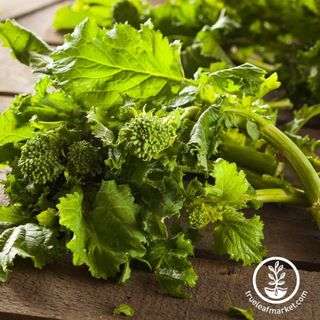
{"points": [[13, 214], [123, 310], [241, 313], [105, 13], [159, 205], [99, 130], [301, 117], [205, 135], [68, 17], [179, 17], [11, 130], [253, 130], [22, 42], [170, 260], [209, 38], [107, 236], [245, 79], [100, 68], [7, 152], [185, 17], [47, 105], [27, 241], [230, 184], [71, 216], [48, 218], [239, 237]]}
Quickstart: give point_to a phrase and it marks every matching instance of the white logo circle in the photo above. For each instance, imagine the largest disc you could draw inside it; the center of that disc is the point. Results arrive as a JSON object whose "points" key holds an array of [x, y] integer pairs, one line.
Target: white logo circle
{"points": [[277, 293]]}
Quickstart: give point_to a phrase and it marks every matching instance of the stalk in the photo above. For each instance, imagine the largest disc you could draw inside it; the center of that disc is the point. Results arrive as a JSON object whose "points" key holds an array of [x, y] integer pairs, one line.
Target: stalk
{"points": [[283, 104], [278, 195], [299, 162], [250, 158]]}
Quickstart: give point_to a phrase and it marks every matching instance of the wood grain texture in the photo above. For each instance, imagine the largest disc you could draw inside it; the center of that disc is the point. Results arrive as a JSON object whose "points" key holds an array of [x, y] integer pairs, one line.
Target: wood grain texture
{"points": [[17, 8], [4, 102], [65, 292], [40, 23], [14, 76]]}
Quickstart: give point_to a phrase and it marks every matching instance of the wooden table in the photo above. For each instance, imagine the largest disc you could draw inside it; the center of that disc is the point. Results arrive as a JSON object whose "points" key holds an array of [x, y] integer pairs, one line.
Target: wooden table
{"points": [[62, 291]]}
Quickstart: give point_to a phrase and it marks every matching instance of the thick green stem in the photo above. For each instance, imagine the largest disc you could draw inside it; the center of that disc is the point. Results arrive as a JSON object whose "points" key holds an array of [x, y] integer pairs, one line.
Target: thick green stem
{"points": [[190, 112], [283, 104], [301, 165], [261, 181], [278, 195], [249, 157]]}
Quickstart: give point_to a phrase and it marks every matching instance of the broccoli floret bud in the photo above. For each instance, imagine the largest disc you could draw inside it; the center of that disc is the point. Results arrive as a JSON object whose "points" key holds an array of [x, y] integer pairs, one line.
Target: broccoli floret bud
{"points": [[82, 159], [199, 216], [39, 161], [146, 136]]}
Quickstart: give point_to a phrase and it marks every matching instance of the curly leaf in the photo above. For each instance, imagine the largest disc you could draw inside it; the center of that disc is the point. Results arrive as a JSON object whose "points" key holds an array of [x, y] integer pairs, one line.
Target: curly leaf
{"points": [[231, 185], [301, 117], [205, 135], [173, 270], [110, 237], [22, 42], [11, 130], [13, 214], [245, 79], [99, 67], [239, 237], [27, 241]]}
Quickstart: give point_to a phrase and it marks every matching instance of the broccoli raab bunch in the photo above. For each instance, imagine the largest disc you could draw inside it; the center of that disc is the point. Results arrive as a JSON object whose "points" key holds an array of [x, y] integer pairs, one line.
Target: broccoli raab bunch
{"points": [[117, 156]]}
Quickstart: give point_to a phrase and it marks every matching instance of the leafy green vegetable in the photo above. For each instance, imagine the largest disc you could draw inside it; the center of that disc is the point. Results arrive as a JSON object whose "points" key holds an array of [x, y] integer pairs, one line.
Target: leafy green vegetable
{"points": [[11, 131], [230, 185], [22, 42], [122, 157], [27, 241], [105, 12], [274, 35], [239, 237], [172, 268], [110, 238], [14, 214], [93, 60]]}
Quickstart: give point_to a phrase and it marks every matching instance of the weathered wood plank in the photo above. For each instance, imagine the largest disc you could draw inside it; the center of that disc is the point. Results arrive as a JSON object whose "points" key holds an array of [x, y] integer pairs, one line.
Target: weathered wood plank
{"points": [[65, 292], [14, 76], [40, 23], [4, 102], [17, 8]]}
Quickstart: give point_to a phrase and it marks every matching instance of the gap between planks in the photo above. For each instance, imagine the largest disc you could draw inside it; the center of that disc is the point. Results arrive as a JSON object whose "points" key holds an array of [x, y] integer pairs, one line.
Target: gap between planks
{"points": [[10, 9]]}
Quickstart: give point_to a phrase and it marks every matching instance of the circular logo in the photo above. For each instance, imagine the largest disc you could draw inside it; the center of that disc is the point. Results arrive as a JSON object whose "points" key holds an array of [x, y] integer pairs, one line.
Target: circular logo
{"points": [[277, 288]]}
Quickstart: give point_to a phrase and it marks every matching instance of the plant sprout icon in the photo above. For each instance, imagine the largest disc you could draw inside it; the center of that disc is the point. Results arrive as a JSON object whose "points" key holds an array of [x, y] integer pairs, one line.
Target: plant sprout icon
{"points": [[277, 292]]}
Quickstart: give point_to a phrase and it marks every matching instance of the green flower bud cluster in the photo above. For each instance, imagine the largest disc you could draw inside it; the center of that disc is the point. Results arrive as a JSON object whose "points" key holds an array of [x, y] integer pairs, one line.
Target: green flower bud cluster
{"points": [[199, 216], [39, 161], [82, 159], [146, 136]]}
